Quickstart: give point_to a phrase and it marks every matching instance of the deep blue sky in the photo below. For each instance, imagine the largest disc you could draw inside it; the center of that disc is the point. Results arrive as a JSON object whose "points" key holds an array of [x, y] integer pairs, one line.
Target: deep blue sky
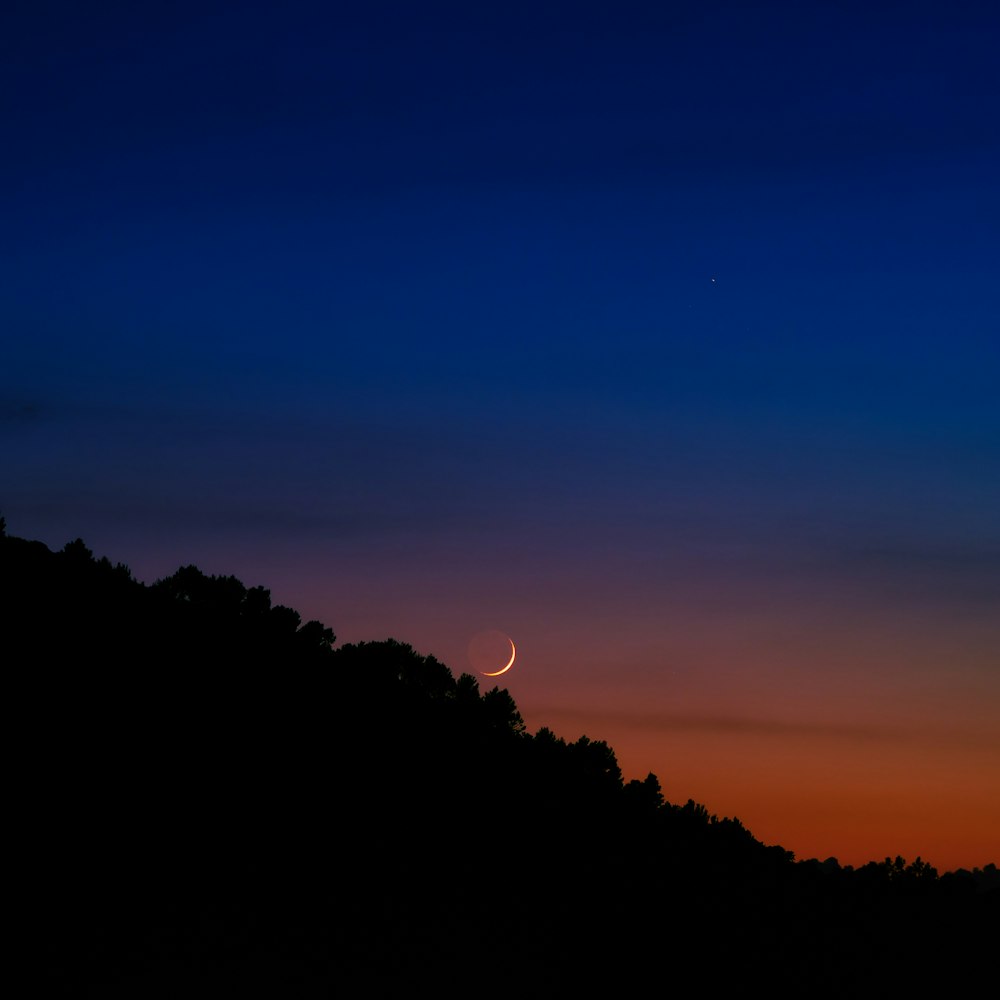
{"points": [[661, 336]]}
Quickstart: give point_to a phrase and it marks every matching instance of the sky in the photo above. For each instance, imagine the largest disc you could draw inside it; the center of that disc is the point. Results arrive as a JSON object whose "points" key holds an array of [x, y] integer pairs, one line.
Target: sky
{"points": [[663, 338]]}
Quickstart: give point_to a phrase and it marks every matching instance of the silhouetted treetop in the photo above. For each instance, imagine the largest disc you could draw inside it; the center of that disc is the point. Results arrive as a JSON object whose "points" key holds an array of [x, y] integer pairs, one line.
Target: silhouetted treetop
{"points": [[213, 795]]}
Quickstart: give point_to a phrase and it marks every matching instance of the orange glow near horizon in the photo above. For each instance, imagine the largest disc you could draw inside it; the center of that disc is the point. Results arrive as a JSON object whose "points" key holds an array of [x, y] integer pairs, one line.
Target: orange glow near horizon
{"points": [[817, 791], [832, 742]]}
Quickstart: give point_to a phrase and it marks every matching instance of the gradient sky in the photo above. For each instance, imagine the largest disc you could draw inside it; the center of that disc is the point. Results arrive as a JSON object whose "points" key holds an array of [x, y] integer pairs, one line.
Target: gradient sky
{"points": [[664, 338]]}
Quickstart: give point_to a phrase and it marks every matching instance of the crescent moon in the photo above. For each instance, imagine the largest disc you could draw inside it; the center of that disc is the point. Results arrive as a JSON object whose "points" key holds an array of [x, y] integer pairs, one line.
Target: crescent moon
{"points": [[510, 662]]}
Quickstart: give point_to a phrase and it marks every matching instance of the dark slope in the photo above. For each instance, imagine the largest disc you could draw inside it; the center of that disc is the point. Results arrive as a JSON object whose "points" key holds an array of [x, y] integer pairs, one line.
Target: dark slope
{"points": [[211, 799]]}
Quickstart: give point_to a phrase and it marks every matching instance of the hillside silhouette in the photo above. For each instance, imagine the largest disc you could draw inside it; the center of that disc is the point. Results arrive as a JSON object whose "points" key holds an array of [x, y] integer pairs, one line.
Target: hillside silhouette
{"points": [[212, 799]]}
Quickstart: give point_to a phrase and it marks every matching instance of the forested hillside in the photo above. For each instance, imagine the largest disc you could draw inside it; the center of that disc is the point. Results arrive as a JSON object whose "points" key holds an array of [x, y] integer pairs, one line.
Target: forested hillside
{"points": [[211, 797]]}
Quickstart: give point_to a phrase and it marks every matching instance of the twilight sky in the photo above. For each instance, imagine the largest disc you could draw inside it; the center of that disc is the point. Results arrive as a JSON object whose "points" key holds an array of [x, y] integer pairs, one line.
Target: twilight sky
{"points": [[663, 337]]}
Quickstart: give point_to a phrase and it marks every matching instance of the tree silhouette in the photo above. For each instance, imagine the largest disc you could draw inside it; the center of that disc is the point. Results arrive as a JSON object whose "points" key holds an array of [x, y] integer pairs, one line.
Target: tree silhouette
{"points": [[213, 798]]}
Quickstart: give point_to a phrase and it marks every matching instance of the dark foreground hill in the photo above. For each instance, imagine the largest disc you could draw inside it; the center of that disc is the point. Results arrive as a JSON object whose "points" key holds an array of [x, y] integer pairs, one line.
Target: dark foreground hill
{"points": [[209, 799]]}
